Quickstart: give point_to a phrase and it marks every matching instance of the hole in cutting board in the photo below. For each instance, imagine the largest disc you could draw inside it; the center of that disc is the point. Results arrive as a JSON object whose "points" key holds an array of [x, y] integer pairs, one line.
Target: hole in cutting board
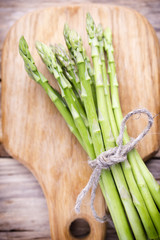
{"points": [[79, 228]]}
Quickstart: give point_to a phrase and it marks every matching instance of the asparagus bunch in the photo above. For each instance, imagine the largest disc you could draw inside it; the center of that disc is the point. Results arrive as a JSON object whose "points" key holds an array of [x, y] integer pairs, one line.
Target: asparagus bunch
{"points": [[53, 94], [96, 43], [90, 105]]}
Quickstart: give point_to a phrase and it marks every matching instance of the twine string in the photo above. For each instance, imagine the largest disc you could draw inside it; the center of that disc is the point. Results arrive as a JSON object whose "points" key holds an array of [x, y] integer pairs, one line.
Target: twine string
{"points": [[109, 158]]}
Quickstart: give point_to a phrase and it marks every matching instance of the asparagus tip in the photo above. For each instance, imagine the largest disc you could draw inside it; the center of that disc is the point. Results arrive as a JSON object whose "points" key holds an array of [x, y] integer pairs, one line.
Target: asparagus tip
{"points": [[24, 50], [73, 37], [66, 28], [46, 54], [89, 18], [53, 48], [38, 44], [21, 41], [23, 47], [90, 26], [41, 47], [30, 66], [66, 31], [60, 51]]}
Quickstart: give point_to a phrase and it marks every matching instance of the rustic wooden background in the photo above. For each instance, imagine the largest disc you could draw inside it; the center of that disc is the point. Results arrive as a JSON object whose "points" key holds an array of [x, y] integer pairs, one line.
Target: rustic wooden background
{"points": [[23, 209]]}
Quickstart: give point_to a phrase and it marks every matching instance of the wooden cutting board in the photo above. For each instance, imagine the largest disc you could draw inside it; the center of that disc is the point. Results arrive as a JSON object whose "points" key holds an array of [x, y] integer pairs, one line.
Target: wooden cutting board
{"points": [[34, 132]]}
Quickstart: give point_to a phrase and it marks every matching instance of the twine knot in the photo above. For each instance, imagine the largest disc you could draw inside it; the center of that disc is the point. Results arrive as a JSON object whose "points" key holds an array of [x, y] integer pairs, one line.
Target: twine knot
{"points": [[109, 158]]}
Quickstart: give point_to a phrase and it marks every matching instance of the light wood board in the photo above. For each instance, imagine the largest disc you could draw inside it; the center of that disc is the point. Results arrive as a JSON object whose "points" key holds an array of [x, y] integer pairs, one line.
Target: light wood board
{"points": [[35, 133]]}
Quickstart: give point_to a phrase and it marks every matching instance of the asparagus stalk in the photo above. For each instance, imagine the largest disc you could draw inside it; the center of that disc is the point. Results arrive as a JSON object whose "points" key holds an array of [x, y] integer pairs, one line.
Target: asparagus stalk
{"points": [[91, 76], [99, 32], [150, 180], [118, 117], [103, 106], [51, 92], [110, 192]]}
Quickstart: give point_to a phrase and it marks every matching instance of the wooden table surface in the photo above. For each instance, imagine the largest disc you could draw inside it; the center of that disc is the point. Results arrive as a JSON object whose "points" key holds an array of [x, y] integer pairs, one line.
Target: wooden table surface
{"points": [[23, 209]]}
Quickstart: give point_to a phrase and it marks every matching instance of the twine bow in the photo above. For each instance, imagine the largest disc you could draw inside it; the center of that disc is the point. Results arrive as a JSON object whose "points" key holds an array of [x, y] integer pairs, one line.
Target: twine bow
{"points": [[109, 158]]}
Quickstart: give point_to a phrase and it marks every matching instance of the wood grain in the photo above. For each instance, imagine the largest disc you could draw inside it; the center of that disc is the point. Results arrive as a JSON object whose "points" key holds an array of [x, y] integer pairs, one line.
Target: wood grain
{"points": [[27, 87], [11, 11], [21, 215], [23, 209]]}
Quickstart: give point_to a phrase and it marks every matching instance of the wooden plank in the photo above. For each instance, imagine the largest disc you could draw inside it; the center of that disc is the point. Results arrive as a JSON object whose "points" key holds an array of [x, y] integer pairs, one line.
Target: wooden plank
{"points": [[11, 11], [23, 209]]}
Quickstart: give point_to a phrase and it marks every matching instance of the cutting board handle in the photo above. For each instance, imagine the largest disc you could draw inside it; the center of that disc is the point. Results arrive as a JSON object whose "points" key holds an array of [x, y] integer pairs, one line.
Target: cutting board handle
{"points": [[64, 222]]}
